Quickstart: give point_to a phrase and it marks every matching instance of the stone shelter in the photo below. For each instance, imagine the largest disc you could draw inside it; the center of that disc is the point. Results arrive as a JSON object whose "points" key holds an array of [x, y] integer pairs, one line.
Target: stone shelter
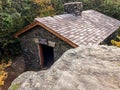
{"points": [[47, 38]]}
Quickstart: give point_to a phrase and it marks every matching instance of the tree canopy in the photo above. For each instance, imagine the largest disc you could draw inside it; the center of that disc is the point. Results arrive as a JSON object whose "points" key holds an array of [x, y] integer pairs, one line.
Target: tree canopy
{"points": [[14, 15]]}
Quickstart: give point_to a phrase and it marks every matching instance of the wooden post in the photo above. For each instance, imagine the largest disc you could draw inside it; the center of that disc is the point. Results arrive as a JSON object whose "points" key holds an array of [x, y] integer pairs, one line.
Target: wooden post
{"points": [[41, 56]]}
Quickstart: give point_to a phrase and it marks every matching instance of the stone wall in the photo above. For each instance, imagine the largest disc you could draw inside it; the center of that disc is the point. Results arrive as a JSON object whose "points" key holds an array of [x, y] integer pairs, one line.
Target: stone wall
{"points": [[30, 48]]}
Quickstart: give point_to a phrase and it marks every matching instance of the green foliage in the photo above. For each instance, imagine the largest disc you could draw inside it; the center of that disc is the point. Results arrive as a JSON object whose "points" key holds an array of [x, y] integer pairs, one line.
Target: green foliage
{"points": [[45, 8], [49, 7], [14, 15], [58, 6], [110, 7], [15, 86], [116, 40]]}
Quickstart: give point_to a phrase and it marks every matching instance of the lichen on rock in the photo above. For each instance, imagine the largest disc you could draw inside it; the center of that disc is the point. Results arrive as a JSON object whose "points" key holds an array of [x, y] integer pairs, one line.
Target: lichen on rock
{"points": [[90, 67]]}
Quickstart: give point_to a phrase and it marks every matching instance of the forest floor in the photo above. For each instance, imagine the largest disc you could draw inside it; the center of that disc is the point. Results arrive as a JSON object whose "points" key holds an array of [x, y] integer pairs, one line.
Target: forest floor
{"points": [[17, 68]]}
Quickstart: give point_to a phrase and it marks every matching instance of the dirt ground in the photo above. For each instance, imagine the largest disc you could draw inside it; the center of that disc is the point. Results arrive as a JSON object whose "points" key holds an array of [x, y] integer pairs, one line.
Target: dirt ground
{"points": [[14, 71]]}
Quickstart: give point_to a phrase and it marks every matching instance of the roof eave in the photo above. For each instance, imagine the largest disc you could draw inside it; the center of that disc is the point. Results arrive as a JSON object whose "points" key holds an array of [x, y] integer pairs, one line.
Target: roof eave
{"points": [[36, 23], [28, 27]]}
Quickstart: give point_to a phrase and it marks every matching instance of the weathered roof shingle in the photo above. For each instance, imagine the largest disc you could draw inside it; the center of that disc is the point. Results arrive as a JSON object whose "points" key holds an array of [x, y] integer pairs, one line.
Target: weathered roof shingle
{"points": [[90, 28]]}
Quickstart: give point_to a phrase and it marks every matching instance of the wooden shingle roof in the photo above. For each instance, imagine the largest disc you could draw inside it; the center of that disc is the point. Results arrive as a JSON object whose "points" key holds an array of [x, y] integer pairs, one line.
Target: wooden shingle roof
{"points": [[90, 28]]}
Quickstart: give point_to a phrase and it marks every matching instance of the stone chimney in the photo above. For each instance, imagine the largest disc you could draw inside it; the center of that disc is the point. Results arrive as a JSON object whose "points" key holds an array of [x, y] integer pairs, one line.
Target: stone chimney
{"points": [[74, 8]]}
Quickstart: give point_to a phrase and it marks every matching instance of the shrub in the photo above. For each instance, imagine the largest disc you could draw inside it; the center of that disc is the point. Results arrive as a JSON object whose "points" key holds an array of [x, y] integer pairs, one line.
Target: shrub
{"points": [[3, 73]]}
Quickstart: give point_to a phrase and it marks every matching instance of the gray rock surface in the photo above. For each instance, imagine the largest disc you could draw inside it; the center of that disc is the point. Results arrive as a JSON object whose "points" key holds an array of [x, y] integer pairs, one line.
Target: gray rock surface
{"points": [[89, 67]]}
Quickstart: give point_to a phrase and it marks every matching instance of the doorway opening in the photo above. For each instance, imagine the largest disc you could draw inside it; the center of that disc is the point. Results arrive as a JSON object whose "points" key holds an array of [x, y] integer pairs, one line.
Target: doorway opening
{"points": [[46, 56]]}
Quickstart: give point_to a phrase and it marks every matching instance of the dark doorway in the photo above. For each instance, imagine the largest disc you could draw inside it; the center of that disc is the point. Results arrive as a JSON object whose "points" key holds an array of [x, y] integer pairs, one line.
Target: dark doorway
{"points": [[47, 56]]}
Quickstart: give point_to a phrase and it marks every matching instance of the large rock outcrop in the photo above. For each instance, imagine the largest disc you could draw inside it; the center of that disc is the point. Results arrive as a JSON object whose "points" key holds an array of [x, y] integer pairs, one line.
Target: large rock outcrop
{"points": [[84, 68]]}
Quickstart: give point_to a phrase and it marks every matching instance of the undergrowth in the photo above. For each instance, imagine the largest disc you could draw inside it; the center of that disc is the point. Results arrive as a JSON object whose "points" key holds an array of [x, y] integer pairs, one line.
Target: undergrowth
{"points": [[3, 73]]}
